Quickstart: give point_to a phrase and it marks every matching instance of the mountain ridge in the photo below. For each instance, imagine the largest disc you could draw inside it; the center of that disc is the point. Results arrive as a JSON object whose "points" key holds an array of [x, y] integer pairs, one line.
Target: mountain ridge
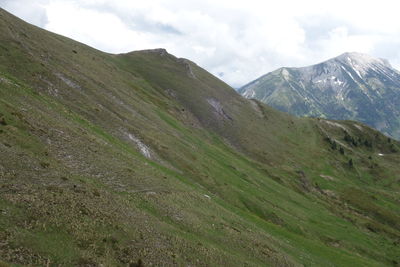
{"points": [[351, 86]]}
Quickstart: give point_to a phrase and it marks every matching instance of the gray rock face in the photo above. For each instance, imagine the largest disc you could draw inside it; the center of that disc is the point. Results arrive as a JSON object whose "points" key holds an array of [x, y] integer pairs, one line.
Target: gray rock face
{"points": [[351, 86]]}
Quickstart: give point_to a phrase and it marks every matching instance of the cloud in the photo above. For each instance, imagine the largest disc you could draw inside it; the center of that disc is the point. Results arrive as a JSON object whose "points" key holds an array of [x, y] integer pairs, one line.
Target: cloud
{"points": [[235, 40], [31, 11]]}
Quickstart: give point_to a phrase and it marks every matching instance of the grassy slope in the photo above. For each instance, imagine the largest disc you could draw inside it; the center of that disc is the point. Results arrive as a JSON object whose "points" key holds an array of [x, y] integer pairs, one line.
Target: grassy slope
{"points": [[238, 183]]}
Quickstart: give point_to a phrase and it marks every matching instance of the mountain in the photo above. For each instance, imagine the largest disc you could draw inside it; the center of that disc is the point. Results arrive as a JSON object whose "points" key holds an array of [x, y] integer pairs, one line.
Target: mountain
{"points": [[351, 86], [144, 159]]}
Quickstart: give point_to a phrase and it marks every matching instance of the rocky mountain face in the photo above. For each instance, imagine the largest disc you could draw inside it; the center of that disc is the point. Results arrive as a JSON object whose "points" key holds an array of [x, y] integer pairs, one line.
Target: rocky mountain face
{"points": [[351, 86], [146, 159]]}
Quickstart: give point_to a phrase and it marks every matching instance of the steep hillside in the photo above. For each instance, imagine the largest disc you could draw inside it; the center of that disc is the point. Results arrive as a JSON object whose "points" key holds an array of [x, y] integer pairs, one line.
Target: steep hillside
{"points": [[146, 159], [351, 86]]}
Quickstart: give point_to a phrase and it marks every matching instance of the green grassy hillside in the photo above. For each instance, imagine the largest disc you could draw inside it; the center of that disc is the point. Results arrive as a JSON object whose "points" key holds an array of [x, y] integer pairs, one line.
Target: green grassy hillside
{"points": [[145, 159]]}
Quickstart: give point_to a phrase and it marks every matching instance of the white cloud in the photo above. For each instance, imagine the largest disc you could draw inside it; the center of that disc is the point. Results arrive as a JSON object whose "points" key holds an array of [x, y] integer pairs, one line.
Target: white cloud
{"points": [[102, 30], [236, 40], [31, 11]]}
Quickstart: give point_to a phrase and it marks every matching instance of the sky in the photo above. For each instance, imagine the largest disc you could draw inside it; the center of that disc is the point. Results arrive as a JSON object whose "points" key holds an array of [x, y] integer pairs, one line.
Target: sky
{"points": [[237, 41]]}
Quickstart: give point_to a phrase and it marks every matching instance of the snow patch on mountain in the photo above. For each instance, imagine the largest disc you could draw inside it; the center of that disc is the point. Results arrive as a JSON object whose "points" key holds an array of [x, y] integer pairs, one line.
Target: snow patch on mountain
{"points": [[249, 94], [362, 63], [348, 72], [285, 74]]}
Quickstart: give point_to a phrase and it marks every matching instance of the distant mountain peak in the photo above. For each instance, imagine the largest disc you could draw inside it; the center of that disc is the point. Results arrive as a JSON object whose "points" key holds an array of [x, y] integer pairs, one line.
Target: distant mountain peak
{"points": [[352, 86], [356, 55], [362, 61]]}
